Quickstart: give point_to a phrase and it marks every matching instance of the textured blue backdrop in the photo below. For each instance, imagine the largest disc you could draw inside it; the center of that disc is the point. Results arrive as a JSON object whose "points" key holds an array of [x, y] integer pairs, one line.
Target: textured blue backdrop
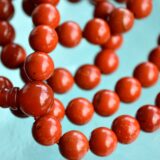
{"points": [[16, 142]]}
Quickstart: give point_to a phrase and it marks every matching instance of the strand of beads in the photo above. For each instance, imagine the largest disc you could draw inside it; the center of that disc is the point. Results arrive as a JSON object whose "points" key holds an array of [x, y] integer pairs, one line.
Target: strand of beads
{"points": [[36, 97]]}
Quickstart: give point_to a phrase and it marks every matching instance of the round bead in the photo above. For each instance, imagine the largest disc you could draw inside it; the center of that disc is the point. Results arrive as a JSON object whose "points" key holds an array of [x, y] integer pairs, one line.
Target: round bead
{"points": [[39, 66], [35, 99], [43, 39], [103, 9], [7, 33], [115, 42], [126, 128], [97, 31], [106, 102], [128, 89], [61, 81], [80, 111], [148, 117], [18, 113], [123, 19], [47, 130], [158, 100], [107, 61], [154, 57], [53, 2], [98, 139], [140, 8], [46, 14], [6, 10], [69, 34], [147, 74], [73, 145], [13, 55], [5, 83], [88, 77], [57, 109]]}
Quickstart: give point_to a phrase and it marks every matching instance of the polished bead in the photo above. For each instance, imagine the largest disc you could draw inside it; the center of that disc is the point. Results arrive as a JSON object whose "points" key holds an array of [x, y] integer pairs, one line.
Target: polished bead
{"points": [[61, 81], [73, 145], [126, 128], [35, 99], [97, 31], [103, 141], [46, 14], [43, 39], [13, 55], [121, 20], [7, 33], [39, 66], [70, 34], [47, 130]]}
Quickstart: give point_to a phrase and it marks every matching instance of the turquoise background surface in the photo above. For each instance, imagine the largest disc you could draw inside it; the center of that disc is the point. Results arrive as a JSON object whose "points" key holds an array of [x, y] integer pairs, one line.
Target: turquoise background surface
{"points": [[16, 142]]}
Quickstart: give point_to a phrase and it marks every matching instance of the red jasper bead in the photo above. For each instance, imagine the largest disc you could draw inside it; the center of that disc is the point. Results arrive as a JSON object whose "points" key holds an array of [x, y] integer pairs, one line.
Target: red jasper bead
{"points": [[123, 19], [115, 42], [88, 77], [35, 99], [158, 100], [61, 81], [126, 128], [47, 130], [18, 113], [53, 2], [57, 109], [140, 8], [9, 97], [43, 38], [103, 9], [7, 33], [148, 117], [39, 66], [69, 34], [147, 74], [103, 141], [97, 31], [128, 89], [107, 61], [73, 145], [154, 57], [13, 55], [6, 10], [106, 102], [80, 111], [46, 14], [5, 83]]}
